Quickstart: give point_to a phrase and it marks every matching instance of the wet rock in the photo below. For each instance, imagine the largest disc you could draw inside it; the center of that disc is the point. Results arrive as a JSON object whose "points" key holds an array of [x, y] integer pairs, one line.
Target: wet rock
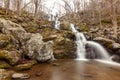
{"points": [[5, 75], [115, 58], [11, 56], [26, 65], [20, 76]]}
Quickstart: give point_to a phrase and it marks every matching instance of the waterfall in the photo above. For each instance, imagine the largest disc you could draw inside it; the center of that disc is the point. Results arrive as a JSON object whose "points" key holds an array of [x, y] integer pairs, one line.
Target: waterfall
{"points": [[57, 23], [88, 49], [80, 40]]}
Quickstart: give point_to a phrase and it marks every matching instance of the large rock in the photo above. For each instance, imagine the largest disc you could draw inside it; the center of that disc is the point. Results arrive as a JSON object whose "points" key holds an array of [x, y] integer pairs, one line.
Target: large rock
{"points": [[35, 48], [29, 44]]}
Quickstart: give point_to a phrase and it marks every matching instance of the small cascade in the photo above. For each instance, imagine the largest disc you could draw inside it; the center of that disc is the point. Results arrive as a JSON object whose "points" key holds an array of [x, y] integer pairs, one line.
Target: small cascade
{"points": [[80, 40], [88, 49], [97, 51], [57, 23]]}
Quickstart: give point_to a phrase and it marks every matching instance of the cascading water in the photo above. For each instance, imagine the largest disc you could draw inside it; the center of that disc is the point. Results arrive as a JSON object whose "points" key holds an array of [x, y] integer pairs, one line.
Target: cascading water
{"points": [[57, 23], [80, 39], [88, 48]]}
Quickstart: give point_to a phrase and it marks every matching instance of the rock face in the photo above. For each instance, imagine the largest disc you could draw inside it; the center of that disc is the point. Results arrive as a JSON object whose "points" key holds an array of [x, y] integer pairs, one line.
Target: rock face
{"points": [[28, 44]]}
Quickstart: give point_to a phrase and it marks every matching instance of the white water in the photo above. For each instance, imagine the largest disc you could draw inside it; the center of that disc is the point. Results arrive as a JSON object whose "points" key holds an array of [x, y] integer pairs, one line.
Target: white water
{"points": [[81, 41], [57, 23], [99, 50]]}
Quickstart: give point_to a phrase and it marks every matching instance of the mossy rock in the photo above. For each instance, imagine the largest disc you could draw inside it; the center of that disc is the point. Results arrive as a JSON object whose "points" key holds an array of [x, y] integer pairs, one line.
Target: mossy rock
{"points": [[11, 56], [4, 65], [84, 28], [26, 65], [4, 40], [64, 48], [45, 32], [31, 29], [68, 34], [65, 25], [10, 47]]}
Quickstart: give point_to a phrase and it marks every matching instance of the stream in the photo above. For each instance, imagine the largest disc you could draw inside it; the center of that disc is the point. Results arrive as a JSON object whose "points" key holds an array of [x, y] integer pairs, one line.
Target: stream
{"points": [[74, 70]]}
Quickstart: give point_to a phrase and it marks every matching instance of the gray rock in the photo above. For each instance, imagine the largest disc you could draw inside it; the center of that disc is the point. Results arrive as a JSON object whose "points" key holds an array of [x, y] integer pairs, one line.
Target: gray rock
{"points": [[29, 44]]}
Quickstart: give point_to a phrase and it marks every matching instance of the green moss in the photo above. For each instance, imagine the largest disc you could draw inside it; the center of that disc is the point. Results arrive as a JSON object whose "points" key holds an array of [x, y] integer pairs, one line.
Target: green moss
{"points": [[11, 56], [84, 28], [106, 21], [45, 32], [4, 40]]}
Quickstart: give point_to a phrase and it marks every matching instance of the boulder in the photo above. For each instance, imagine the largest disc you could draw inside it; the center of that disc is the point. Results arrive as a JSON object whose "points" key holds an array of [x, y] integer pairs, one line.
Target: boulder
{"points": [[11, 56], [30, 44], [35, 48]]}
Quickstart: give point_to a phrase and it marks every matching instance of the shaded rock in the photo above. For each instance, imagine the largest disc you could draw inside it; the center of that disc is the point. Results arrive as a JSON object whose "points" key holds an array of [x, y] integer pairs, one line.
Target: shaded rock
{"points": [[64, 48], [20, 76], [12, 56], [5, 75], [4, 65], [25, 65]]}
